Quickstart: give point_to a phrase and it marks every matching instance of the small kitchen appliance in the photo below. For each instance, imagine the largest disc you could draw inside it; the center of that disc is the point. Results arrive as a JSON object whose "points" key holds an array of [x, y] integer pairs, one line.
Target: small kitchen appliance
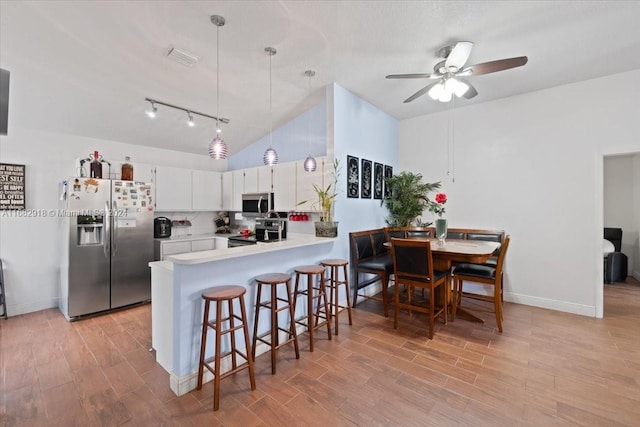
{"points": [[271, 229], [161, 227]]}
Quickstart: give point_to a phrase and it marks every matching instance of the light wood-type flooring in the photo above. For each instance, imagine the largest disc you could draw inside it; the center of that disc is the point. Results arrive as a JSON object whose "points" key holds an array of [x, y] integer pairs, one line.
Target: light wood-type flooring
{"points": [[547, 368]]}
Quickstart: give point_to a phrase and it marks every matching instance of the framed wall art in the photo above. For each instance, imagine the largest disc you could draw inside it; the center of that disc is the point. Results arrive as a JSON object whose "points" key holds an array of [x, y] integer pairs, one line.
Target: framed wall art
{"points": [[365, 182], [353, 177], [388, 173], [378, 180], [12, 187]]}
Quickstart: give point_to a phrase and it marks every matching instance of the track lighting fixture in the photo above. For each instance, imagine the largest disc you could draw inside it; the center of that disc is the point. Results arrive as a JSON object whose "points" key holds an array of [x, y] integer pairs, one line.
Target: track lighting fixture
{"points": [[190, 121], [151, 112]]}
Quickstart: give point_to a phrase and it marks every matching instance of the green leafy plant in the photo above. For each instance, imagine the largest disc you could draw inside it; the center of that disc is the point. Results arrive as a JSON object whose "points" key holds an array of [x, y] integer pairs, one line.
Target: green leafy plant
{"points": [[327, 196], [407, 198]]}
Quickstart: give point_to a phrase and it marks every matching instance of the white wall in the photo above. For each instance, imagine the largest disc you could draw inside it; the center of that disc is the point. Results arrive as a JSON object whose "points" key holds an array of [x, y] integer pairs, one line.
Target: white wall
{"points": [[620, 190], [532, 165], [635, 242], [29, 246]]}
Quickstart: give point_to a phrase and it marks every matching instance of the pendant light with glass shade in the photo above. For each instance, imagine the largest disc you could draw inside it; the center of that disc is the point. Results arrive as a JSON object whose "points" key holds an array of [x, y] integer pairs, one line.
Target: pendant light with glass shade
{"points": [[217, 147], [270, 156], [310, 164]]}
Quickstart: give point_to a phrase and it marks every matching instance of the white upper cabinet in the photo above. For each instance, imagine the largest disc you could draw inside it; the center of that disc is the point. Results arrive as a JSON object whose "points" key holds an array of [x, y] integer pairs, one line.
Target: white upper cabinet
{"points": [[206, 190], [250, 180], [173, 189], [305, 184], [265, 183], [227, 191], [238, 189], [284, 186], [144, 172]]}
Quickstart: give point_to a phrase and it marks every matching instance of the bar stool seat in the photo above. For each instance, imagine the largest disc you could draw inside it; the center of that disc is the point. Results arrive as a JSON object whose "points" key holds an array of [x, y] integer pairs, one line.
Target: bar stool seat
{"points": [[273, 280], [218, 295], [313, 293], [333, 283]]}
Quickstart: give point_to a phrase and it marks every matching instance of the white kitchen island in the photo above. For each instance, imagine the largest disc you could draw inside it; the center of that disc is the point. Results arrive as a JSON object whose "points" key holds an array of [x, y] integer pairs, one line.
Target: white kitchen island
{"points": [[176, 295]]}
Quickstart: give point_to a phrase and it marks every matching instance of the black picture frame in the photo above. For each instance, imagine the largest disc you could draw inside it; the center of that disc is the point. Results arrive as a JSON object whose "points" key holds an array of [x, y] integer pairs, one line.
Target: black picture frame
{"points": [[378, 180], [12, 187], [388, 173], [353, 177], [365, 180]]}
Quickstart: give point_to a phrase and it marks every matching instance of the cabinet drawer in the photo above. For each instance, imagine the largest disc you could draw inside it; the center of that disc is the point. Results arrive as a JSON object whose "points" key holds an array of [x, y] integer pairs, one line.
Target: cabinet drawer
{"points": [[203, 245]]}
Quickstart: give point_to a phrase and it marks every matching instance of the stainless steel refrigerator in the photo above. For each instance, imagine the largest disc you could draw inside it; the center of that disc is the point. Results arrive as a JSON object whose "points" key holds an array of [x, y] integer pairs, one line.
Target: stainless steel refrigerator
{"points": [[107, 243]]}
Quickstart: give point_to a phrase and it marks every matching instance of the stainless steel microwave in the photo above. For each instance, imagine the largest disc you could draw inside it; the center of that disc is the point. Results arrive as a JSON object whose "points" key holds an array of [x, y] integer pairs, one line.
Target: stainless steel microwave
{"points": [[257, 204]]}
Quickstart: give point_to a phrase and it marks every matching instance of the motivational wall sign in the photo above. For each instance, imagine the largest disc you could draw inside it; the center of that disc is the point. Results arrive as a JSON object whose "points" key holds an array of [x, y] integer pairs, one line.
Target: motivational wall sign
{"points": [[12, 195]]}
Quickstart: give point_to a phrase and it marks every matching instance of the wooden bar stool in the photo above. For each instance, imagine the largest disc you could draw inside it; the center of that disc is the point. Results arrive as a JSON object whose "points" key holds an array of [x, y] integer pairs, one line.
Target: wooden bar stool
{"points": [[334, 283], [273, 280], [219, 295], [320, 295]]}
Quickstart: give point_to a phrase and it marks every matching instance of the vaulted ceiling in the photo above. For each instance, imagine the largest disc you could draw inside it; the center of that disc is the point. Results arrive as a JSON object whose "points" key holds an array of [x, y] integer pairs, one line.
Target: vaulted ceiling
{"points": [[85, 67]]}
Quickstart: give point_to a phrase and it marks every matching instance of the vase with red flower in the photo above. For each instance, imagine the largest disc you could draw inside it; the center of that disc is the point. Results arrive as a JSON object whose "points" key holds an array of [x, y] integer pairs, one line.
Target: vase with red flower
{"points": [[437, 207]]}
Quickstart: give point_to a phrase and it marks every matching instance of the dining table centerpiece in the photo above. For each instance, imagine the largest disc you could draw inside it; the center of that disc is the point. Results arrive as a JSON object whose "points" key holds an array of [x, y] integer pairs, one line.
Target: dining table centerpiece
{"points": [[437, 207]]}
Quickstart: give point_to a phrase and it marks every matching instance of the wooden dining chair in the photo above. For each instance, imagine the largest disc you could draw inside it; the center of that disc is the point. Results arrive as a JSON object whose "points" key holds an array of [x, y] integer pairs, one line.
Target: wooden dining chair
{"points": [[413, 268], [397, 232], [484, 274]]}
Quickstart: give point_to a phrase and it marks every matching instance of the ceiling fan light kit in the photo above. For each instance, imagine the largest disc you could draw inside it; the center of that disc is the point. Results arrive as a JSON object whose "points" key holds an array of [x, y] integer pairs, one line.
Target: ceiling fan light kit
{"points": [[448, 72]]}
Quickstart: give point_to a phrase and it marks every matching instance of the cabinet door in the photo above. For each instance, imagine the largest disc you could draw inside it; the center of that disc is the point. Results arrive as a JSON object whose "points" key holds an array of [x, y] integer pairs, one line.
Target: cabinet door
{"points": [[251, 180], [238, 189], [172, 248], [284, 186], [265, 182], [203, 245], [206, 190], [173, 189], [144, 172], [305, 185], [227, 191]]}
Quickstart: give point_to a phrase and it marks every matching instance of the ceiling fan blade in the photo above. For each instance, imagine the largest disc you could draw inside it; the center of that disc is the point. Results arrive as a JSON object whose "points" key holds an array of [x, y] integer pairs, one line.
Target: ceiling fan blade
{"points": [[471, 92], [459, 55], [414, 76], [420, 92], [493, 66]]}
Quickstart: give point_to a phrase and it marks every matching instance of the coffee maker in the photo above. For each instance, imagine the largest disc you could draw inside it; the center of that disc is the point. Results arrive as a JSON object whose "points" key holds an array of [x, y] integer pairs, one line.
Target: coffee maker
{"points": [[161, 227]]}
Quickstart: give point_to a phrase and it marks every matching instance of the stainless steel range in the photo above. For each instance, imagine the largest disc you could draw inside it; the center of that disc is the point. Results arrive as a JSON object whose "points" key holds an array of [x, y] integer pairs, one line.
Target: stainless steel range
{"points": [[240, 240]]}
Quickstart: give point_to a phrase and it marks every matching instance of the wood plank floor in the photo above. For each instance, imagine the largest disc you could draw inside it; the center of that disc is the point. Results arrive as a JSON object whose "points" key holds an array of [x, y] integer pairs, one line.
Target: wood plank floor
{"points": [[546, 369]]}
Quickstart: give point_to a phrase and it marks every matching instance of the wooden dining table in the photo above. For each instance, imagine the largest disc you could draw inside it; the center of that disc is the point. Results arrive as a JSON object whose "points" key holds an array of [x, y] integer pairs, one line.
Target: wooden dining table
{"points": [[455, 251]]}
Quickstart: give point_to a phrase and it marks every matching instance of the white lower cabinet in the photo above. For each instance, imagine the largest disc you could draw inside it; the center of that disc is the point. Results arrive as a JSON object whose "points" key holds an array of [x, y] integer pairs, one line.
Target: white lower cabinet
{"points": [[203, 245], [172, 247]]}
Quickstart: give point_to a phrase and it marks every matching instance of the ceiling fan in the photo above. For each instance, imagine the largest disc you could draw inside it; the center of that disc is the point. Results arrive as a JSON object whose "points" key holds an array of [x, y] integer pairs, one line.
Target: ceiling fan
{"points": [[448, 73]]}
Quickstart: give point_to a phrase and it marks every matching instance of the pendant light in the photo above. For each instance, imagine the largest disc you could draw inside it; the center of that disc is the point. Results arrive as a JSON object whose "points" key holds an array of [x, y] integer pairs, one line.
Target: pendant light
{"points": [[270, 156], [310, 164], [217, 147]]}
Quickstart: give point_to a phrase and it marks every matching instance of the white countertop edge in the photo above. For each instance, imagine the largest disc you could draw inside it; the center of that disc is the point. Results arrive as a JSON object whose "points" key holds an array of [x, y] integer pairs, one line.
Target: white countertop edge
{"points": [[162, 264], [293, 241], [191, 237]]}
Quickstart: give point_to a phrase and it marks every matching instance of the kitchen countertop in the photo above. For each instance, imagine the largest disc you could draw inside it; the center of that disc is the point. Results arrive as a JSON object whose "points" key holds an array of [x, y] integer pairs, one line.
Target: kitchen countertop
{"points": [[293, 240], [189, 237]]}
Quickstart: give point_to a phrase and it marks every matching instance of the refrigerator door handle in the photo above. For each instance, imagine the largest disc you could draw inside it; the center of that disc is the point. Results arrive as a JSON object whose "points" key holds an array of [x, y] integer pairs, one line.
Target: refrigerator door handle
{"points": [[115, 229], [107, 231]]}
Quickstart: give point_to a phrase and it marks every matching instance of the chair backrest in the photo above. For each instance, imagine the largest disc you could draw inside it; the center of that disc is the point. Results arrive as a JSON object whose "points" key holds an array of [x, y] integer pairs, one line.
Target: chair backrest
{"points": [[486, 235], [361, 246], [412, 260], [503, 253], [397, 232], [614, 235], [425, 232], [377, 240]]}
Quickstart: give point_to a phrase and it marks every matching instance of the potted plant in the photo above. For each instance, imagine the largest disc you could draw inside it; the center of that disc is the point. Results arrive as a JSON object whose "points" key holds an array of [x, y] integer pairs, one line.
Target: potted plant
{"points": [[327, 227], [407, 198]]}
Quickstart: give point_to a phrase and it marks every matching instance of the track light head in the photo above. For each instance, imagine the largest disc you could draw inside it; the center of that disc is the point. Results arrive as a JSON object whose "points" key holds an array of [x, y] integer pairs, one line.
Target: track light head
{"points": [[151, 113], [190, 121]]}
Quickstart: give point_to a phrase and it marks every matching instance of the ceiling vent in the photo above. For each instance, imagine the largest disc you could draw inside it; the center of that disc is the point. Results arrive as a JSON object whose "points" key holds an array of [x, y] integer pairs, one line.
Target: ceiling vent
{"points": [[182, 57]]}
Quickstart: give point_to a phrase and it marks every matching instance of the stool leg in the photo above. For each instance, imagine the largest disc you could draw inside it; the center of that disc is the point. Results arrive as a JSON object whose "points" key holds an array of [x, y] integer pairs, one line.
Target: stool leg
{"points": [[245, 328], [274, 327], [203, 343], [216, 379], [333, 295], [234, 361], [310, 323], [292, 327], [346, 284], [323, 294], [255, 323]]}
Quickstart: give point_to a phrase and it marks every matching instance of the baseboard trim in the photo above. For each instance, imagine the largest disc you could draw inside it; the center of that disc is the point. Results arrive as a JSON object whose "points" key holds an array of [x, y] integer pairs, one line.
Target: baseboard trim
{"points": [[17, 309], [568, 307]]}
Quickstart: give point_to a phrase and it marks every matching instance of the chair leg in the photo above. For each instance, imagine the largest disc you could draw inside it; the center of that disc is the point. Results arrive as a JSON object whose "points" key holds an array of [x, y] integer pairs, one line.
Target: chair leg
{"points": [[396, 299], [356, 276], [432, 311], [385, 298], [497, 302], [457, 287], [203, 344]]}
